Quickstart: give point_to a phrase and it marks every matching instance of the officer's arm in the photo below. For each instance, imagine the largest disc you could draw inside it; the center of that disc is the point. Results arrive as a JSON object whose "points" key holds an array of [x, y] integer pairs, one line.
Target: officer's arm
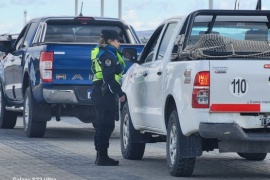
{"points": [[108, 70]]}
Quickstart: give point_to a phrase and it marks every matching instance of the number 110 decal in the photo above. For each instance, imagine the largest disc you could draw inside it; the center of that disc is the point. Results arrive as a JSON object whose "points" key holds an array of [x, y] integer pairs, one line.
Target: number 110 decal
{"points": [[239, 87]]}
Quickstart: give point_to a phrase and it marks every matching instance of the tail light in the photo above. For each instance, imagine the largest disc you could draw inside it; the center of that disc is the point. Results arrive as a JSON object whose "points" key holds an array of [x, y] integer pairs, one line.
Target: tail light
{"points": [[46, 66], [83, 19], [201, 88]]}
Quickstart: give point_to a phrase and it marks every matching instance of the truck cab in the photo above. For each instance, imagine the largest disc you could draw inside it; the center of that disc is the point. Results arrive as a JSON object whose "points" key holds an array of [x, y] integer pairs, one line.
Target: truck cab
{"points": [[201, 84]]}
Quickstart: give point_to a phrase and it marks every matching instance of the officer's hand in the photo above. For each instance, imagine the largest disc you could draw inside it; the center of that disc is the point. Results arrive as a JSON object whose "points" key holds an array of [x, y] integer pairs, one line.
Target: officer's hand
{"points": [[122, 98]]}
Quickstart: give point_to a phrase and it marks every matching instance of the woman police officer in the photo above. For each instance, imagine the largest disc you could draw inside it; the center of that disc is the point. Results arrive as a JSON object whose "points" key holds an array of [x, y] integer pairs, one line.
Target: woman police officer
{"points": [[107, 66]]}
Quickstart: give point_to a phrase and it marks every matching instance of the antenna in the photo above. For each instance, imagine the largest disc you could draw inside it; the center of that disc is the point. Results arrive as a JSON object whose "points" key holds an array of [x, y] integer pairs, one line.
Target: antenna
{"points": [[81, 9]]}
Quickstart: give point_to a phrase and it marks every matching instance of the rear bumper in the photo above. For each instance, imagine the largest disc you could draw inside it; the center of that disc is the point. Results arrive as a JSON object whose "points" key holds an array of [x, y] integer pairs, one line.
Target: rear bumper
{"points": [[74, 95], [60, 96], [230, 131], [232, 138]]}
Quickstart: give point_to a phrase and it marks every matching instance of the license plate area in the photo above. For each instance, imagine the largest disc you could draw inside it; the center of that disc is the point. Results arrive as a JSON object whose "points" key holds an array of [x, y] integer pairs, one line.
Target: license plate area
{"points": [[89, 93], [265, 121]]}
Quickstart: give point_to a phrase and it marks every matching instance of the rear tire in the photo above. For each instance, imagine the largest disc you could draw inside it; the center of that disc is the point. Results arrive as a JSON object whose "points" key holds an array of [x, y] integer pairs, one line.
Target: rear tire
{"points": [[178, 166], [32, 127], [253, 156], [129, 149], [8, 119]]}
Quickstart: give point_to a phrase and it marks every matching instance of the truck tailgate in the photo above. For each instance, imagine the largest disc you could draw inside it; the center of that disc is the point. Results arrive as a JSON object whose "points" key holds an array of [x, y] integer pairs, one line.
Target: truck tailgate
{"points": [[72, 64], [240, 86]]}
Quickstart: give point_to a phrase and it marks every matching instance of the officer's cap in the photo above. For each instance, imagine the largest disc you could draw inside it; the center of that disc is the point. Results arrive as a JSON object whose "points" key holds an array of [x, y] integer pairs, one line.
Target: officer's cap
{"points": [[110, 34]]}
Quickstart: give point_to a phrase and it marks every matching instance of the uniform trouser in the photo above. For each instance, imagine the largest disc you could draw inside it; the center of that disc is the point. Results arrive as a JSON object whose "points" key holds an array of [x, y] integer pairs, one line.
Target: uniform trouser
{"points": [[105, 110]]}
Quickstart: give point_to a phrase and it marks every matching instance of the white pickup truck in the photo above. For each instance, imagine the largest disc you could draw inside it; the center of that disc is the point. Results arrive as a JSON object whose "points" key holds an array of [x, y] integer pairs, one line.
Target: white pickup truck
{"points": [[202, 83]]}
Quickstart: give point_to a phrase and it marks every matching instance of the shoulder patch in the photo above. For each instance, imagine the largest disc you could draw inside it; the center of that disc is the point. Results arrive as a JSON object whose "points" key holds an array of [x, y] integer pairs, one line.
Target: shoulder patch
{"points": [[108, 62]]}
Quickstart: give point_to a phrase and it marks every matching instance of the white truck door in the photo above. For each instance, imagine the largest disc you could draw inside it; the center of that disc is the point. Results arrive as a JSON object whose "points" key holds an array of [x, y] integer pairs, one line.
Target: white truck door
{"points": [[155, 81], [139, 88], [240, 85], [137, 98]]}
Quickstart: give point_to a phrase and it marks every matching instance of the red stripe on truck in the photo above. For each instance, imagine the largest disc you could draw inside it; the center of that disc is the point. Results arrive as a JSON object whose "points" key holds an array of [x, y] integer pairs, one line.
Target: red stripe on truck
{"points": [[235, 108]]}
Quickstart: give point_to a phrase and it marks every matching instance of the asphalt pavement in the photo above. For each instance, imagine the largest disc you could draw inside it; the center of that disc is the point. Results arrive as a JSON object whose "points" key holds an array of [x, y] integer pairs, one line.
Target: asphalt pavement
{"points": [[66, 152]]}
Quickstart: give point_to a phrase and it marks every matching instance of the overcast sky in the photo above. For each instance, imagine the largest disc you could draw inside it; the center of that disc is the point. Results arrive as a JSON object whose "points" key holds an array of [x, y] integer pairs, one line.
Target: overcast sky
{"points": [[142, 14]]}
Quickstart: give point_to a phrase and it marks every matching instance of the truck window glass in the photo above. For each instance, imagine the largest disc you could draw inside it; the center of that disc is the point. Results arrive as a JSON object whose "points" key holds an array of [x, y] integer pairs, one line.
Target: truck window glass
{"points": [[165, 40], [20, 38], [257, 31], [77, 32], [29, 35], [149, 50], [229, 38]]}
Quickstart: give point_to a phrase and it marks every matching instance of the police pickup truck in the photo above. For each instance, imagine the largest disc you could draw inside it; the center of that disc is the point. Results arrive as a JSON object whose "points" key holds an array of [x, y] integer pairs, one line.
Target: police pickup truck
{"points": [[47, 71], [202, 83]]}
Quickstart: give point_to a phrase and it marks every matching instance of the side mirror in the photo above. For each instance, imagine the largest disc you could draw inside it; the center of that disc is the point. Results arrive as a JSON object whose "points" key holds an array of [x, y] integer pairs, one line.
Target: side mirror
{"points": [[130, 54], [174, 55]]}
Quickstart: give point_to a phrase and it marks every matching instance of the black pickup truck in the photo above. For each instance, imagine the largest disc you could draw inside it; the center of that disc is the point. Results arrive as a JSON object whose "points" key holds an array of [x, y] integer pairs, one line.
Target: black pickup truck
{"points": [[47, 71]]}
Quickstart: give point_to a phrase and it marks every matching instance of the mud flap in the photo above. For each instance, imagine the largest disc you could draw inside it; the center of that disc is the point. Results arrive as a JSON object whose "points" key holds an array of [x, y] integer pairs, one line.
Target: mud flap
{"points": [[191, 146], [44, 112]]}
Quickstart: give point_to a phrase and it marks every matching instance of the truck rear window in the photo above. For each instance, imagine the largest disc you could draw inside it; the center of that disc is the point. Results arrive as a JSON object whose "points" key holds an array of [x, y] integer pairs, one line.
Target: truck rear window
{"points": [[257, 31], [78, 32]]}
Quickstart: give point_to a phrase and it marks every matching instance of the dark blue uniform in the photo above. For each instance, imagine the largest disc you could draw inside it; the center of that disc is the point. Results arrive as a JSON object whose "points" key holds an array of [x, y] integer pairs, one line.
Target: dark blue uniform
{"points": [[104, 96]]}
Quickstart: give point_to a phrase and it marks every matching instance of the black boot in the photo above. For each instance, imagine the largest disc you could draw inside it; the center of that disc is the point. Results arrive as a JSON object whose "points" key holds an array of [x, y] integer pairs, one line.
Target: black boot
{"points": [[104, 160]]}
